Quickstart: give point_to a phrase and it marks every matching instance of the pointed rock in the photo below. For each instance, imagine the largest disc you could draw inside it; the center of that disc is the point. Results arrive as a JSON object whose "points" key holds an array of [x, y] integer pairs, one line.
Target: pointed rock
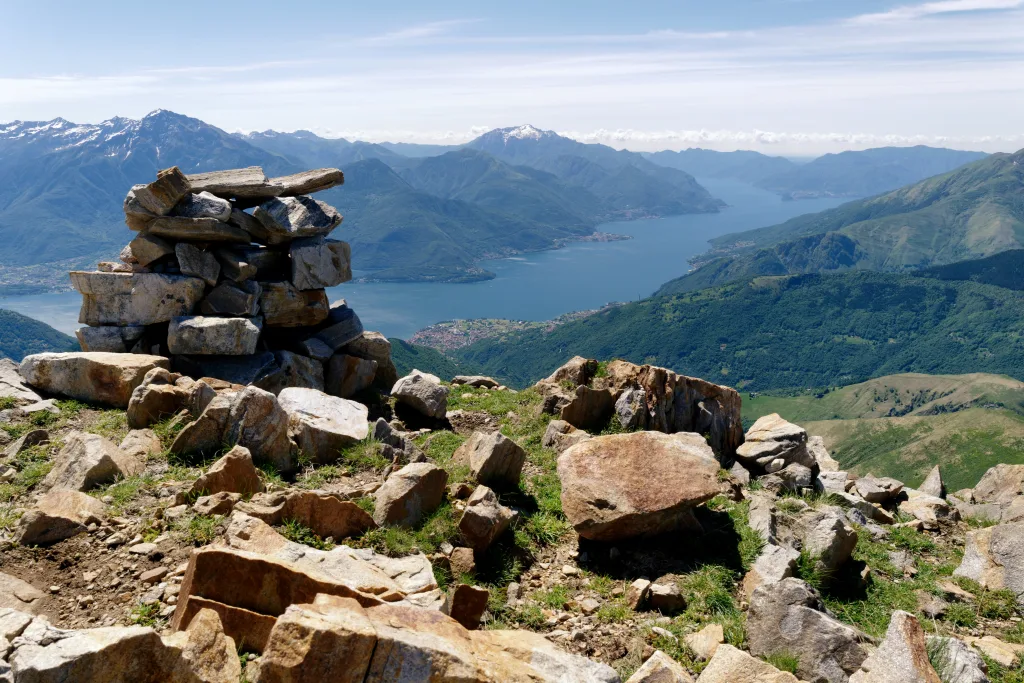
{"points": [[901, 658]]}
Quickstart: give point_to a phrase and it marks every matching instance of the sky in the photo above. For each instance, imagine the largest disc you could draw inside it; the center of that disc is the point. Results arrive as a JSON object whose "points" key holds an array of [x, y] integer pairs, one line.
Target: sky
{"points": [[793, 77]]}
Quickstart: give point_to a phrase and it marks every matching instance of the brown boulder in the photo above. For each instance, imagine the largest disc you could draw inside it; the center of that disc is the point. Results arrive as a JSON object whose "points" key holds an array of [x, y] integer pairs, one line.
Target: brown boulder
{"points": [[103, 378], [1000, 484], [19, 595], [324, 514], [58, 515], [484, 519], [468, 605], [494, 459], [88, 461], [234, 473], [410, 494]]}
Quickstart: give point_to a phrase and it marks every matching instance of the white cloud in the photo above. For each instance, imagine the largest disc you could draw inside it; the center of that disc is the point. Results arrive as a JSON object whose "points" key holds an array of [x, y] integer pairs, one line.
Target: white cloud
{"points": [[414, 33], [906, 12]]}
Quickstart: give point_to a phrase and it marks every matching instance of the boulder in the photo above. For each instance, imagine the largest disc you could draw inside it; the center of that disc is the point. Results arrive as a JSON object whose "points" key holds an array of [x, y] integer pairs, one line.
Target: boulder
{"points": [[561, 435], [348, 375], [589, 408], [204, 335], [315, 349], [13, 386], [259, 422], [772, 438], [234, 183], [156, 398], [103, 378], [466, 422], [141, 444], [217, 504], [994, 557], [319, 262], [146, 248], [762, 517], [704, 642], [423, 393], [198, 263], [235, 260], [285, 219], [660, 668], [639, 484], [494, 459], [33, 437], [931, 510], [559, 387], [196, 230], [234, 472], [300, 371], [374, 346], [285, 306], [932, 485], [468, 605], [205, 434], [58, 515], [1000, 484], [630, 407], [160, 196], [877, 489], [462, 562], [136, 216], [19, 595], [476, 381], [637, 593], [321, 425], [341, 328], [325, 515], [87, 461], [901, 658], [774, 564], [484, 519], [308, 182], [789, 618], [135, 298], [410, 494], [233, 299], [730, 665], [816, 446], [955, 661], [203, 205], [826, 536], [833, 482], [110, 338], [1002, 653], [665, 597], [260, 369]]}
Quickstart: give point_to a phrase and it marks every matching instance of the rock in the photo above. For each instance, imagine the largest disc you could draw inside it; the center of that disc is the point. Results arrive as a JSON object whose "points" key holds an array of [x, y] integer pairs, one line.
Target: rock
{"points": [[931, 606], [260, 423], [349, 375], [468, 605], [58, 515], [156, 398], [639, 484], [772, 438], [466, 422], [561, 435], [423, 393], [1002, 653], [111, 339], [322, 425], [136, 216], [161, 195], [1000, 484], [774, 564], [558, 387], [494, 459], [196, 230], [205, 435], [666, 598], [550, 662], [146, 248], [16, 594], [901, 658], [484, 519], [660, 668], [87, 461], [476, 381], [135, 298], [341, 328], [235, 183], [141, 444], [103, 378], [637, 593], [795, 477], [204, 335], [12, 385], [260, 369], [589, 408], [789, 618], [629, 408], [233, 299], [463, 562], [955, 661], [283, 220], [762, 517], [374, 346], [816, 447], [705, 641], [198, 263], [285, 306], [315, 349], [877, 489], [826, 536], [319, 262], [929, 509], [308, 182], [994, 557], [234, 260], [217, 504], [300, 371], [410, 494], [203, 205], [833, 482], [234, 472], [933, 485], [325, 515], [33, 437], [730, 665]]}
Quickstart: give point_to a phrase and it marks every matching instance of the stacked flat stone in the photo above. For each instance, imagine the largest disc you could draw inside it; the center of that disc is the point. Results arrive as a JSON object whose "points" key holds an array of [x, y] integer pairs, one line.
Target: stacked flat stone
{"points": [[227, 277]]}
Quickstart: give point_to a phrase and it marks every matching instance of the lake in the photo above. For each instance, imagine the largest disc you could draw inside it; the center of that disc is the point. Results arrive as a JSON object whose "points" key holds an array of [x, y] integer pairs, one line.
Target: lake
{"points": [[537, 286]]}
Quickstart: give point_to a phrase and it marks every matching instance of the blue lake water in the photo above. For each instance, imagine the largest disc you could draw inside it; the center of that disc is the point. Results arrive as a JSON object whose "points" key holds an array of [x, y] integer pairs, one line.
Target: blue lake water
{"points": [[536, 286]]}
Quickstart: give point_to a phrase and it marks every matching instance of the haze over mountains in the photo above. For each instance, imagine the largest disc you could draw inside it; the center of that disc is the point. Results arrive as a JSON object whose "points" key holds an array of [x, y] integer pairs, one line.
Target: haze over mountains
{"points": [[413, 212]]}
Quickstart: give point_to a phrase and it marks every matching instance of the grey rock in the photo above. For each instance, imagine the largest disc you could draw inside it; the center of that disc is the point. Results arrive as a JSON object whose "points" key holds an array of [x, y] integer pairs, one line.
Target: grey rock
{"points": [[774, 564], [994, 557], [308, 182], [206, 434], [319, 262], [285, 219], [12, 385], [933, 485], [315, 349], [666, 597], [203, 205], [476, 381], [494, 459], [629, 408], [833, 482], [233, 299], [589, 408], [300, 371], [789, 618], [423, 393], [827, 536], [206, 335], [771, 438], [146, 248], [198, 263], [321, 425], [87, 461], [877, 489], [234, 183], [58, 515], [410, 494], [33, 437], [285, 306], [955, 661], [901, 658], [348, 375], [561, 436], [135, 298], [196, 230], [374, 346], [260, 369], [762, 517], [259, 422], [341, 328], [484, 519], [1000, 484], [110, 338], [161, 195], [103, 378], [136, 216], [660, 668]]}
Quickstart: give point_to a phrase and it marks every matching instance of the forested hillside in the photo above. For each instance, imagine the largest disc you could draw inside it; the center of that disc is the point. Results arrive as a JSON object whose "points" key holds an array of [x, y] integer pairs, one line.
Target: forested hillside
{"points": [[21, 336]]}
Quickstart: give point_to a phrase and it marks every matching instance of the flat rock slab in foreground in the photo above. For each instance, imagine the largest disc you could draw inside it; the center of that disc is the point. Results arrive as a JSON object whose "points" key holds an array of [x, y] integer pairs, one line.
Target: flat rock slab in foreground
{"points": [[104, 378], [640, 484]]}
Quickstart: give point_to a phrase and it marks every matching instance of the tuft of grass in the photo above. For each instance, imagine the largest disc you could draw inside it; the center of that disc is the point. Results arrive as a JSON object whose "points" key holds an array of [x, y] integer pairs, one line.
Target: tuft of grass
{"points": [[613, 611], [167, 429], [112, 424], [364, 455], [318, 477], [810, 569], [909, 539], [70, 408], [960, 614], [43, 418], [555, 597], [366, 503], [394, 541], [709, 593], [783, 661], [8, 402], [295, 531], [126, 490], [148, 615], [8, 517], [198, 530]]}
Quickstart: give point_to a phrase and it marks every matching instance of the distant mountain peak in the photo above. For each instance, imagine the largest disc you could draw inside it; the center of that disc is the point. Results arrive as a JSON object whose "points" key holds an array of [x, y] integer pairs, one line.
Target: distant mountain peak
{"points": [[524, 132]]}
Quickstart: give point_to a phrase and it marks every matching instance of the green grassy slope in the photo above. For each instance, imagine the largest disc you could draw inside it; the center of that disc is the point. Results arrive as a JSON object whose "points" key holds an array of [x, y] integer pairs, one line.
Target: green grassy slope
{"points": [[409, 356], [21, 336]]}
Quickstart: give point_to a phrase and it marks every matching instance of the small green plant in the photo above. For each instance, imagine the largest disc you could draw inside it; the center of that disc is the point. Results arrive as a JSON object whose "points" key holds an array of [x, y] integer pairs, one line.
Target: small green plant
{"points": [[148, 615], [783, 661], [908, 539], [613, 611], [8, 517], [960, 614], [70, 408], [365, 455], [810, 568], [43, 418], [295, 531], [198, 530], [553, 598], [8, 402], [708, 592], [366, 504], [112, 424]]}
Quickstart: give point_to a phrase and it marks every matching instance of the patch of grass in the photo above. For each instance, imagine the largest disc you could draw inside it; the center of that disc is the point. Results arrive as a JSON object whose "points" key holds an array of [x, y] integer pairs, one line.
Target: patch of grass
{"points": [[70, 408], [270, 474], [750, 543], [295, 531], [364, 455], [1000, 674], [528, 614], [8, 517], [33, 464], [125, 491], [197, 530], [708, 592], [167, 430], [318, 477], [613, 611], [909, 539], [148, 615], [960, 614], [366, 504], [783, 661], [112, 424], [438, 527], [8, 402], [810, 569], [555, 597], [43, 418]]}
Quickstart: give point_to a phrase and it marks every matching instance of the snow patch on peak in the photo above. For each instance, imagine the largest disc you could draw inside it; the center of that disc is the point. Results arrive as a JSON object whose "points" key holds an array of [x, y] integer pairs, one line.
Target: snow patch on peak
{"points": [[526, 132]]}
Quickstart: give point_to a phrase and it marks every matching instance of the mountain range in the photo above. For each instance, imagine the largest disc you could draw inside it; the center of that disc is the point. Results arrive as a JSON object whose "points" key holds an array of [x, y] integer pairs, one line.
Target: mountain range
{"points": [[974, 211]]}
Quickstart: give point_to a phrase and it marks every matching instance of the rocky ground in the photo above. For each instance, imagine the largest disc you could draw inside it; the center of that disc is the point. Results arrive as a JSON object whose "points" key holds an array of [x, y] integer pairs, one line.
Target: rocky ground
{"points": [[786, 563]]}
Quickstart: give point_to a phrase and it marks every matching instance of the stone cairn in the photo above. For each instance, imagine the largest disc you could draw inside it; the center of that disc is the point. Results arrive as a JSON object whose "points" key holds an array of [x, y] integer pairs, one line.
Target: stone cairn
{"points": [[234, 294]]}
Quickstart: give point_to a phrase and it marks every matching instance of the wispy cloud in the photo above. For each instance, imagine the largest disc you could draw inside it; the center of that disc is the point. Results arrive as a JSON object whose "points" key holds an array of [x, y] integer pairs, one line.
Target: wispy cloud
{"points": [[416, 33], [907, 12]]}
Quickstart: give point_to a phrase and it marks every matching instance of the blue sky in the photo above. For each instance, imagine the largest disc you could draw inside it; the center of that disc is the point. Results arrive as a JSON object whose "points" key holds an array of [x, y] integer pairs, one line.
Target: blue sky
{"points": [[783, 76]]}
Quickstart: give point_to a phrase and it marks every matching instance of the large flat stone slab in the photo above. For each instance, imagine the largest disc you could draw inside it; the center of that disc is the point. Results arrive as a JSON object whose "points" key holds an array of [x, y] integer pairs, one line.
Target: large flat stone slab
{"points": [[210, 336], [135, 298], [196, 230], [234, 183], [320, 424], [285, 306], [104, 378]]}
